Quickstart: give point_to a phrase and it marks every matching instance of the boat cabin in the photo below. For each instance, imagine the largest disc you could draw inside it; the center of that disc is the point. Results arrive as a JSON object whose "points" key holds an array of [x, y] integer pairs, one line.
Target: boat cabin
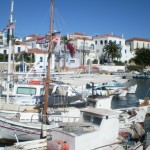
{"points": [[97, 128], [97, 101], [25, 90]]}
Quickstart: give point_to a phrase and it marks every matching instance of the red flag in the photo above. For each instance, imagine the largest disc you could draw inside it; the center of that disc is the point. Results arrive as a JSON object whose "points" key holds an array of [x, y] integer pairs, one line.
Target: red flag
{"points": [[10, 26], [41, 40], [54, 40]]}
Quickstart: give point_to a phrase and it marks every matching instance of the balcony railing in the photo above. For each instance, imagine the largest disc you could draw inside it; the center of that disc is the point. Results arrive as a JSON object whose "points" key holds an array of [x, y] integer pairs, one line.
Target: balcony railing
{"points": [[85, 48]]}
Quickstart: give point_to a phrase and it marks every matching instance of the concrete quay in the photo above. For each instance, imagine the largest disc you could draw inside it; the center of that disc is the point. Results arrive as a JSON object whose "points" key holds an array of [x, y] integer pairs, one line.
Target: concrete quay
{"points": [[80, 79]]}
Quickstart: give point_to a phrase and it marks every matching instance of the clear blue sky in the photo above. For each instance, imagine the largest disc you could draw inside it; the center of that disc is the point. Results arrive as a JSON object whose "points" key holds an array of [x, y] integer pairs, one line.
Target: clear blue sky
{"points": [[128, 17]]}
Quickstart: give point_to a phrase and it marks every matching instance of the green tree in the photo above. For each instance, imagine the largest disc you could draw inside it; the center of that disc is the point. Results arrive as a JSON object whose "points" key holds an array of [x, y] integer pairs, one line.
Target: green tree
{"points": [[112, 50], [142, 57], [95, 61], [27, 57]]}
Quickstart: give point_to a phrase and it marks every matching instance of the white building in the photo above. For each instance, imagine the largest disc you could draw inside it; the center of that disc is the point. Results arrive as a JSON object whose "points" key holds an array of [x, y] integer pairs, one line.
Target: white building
{"points": [[3, 39], [41, 60], [84, 46], [18, 47], [40, 64], [138, 43], [36, 41], [102, 40]]}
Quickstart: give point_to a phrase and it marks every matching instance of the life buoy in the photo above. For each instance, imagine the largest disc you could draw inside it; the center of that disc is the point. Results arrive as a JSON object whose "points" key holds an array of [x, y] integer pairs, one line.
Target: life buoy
{"points": [[58, 145]]}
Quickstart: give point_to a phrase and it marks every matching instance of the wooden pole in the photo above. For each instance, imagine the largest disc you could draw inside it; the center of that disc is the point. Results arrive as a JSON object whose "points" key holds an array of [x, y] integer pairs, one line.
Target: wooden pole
{"points": [[48, 68]]}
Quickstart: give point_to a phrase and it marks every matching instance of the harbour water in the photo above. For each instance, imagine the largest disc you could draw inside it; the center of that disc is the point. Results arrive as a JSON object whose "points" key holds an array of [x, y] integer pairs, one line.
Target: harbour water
{"points": [[131, 100]]}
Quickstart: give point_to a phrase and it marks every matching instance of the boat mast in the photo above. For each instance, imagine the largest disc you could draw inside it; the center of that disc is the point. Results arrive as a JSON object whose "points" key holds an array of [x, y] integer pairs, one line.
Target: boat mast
{"points": [[49, 60], [10, 49]]}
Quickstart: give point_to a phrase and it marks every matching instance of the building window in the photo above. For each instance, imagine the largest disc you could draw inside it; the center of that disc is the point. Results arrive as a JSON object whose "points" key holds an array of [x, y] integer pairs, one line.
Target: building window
{"points": [[125, 51], [148, 46], [101, 42], [119, 42], [32, 45], [105, 41], [72, 61], [143, 45], [95, 42], [137, 45], [97, 50], [40, 66], [115, 41], [82, 44], [110, 41], [19, 49], [130, 46], [5, 52], [41, 59], [92, 46]]}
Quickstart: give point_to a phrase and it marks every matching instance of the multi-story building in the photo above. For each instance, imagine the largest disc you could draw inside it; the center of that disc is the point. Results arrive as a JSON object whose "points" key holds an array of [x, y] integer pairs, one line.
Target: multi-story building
{"points": [[35, 41], [138, 43], [84, 46], [102, 40], [3, 40], [16, 48]]}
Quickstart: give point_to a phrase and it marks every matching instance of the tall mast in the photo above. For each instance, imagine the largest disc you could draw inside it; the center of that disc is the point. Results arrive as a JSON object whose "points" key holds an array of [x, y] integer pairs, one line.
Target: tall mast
{"points": [[10, 49], [49, 60]]}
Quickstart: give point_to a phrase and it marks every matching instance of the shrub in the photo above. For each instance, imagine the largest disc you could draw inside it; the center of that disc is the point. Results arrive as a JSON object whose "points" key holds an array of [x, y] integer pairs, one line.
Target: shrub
{"points": [[17, 67], [95, 61], [119, 63], [135, 68]]}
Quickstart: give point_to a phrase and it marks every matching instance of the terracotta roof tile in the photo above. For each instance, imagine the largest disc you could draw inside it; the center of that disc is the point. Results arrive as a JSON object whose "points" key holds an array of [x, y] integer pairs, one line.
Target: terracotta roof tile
{"points": [[81, 38], [22, 43], [34, 50], [107, 35], [138, 39], [34, 38], [37, 51], [77, 33]]}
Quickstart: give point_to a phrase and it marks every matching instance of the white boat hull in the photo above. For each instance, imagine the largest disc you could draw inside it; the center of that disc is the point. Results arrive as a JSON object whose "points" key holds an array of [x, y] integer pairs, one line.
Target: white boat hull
{"points": [[9, 133], [132, 89], [12, 130]]}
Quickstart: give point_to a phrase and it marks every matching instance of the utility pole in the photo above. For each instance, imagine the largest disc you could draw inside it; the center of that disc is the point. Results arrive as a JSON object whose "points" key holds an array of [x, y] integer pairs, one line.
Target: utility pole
{"points": [[64, 56], [10, 49], [83, 50]]}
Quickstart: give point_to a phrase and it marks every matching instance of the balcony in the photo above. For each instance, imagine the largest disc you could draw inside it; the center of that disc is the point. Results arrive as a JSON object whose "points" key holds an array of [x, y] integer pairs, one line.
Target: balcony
{"points": [[86, 48]]}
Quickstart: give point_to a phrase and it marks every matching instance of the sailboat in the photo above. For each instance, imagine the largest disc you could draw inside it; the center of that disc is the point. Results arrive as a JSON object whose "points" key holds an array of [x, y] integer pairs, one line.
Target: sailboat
{"points": [[12, 128]]}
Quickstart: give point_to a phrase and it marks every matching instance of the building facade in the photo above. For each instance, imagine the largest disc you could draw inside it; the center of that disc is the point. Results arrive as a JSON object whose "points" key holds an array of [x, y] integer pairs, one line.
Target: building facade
{"points": [[138, 43], [84, 46], [3, 39], [101, 40]]}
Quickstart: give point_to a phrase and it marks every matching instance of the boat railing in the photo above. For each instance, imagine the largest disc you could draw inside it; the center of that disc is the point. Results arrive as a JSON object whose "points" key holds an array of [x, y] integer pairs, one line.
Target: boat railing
{"points": [[56, 118]]}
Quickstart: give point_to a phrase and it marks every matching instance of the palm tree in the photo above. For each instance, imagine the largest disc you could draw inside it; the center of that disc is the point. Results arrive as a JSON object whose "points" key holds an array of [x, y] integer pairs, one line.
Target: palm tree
{"points": [[112, 50], [69, 46]]}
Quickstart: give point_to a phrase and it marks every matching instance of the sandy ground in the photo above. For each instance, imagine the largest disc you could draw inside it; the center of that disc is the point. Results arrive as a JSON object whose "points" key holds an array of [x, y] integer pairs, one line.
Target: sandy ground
{"points": [[80, 79]]}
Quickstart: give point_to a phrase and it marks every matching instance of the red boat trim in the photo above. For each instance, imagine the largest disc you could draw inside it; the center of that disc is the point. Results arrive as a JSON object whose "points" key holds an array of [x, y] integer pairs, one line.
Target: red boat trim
{"points": [[19, 130]]}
